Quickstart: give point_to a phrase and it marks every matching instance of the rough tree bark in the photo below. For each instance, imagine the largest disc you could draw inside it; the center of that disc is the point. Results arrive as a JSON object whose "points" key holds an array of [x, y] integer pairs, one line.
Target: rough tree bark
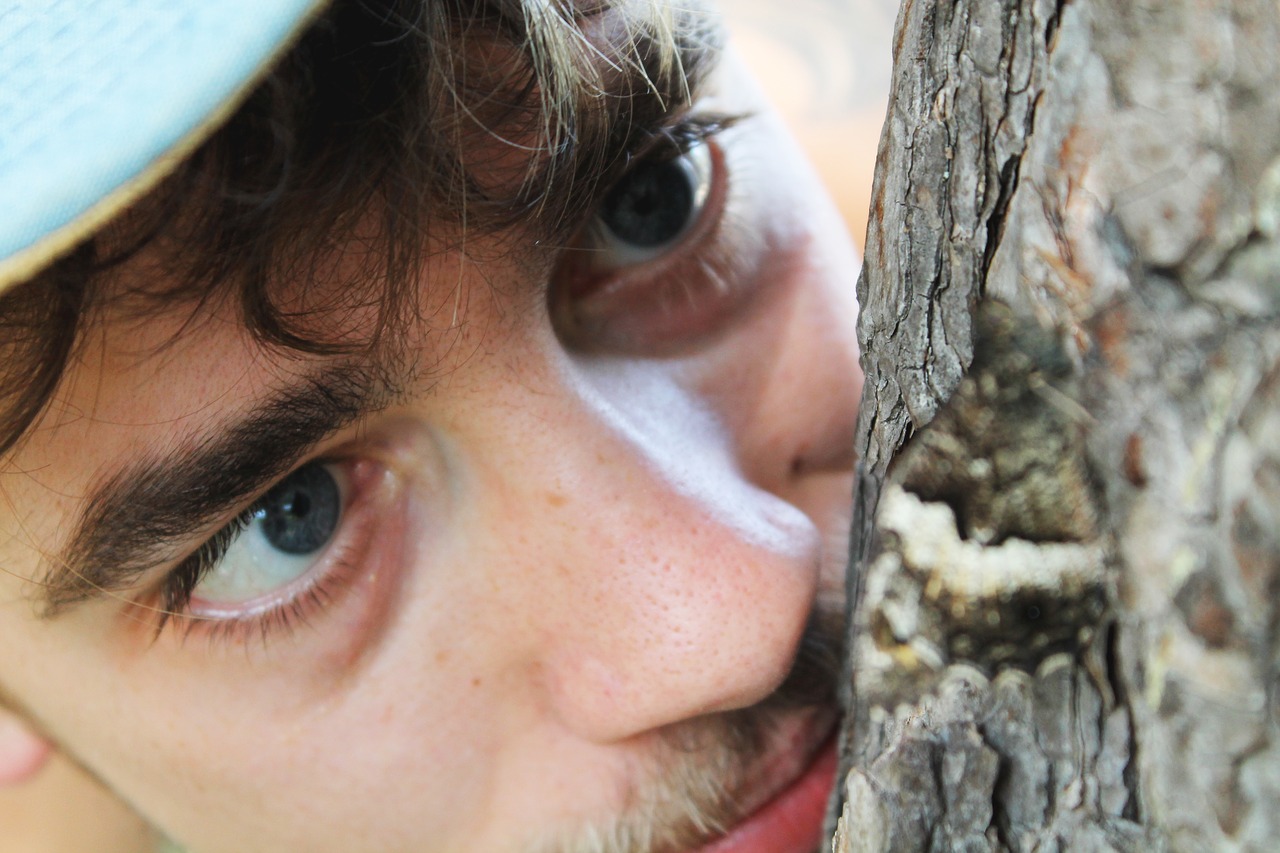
{"points": [[1065, 632]]}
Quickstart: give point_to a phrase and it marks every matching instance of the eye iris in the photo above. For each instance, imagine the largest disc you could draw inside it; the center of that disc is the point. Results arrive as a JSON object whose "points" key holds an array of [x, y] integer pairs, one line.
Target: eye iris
{"points": [[300, 514], [651, 205]]}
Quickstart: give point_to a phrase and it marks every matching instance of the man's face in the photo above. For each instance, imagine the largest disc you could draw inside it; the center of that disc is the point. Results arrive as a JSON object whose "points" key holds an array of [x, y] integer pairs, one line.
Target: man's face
{"points": [[542, 596]]}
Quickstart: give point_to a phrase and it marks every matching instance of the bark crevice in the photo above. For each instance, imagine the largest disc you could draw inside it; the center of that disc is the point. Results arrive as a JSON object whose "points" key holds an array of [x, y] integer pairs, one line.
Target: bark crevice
{"points": [[1066, 565]]}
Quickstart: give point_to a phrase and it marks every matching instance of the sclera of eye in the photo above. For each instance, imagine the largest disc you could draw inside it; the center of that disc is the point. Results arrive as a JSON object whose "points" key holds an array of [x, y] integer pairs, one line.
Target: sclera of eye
{"points": [[697, 164], [306, 608], [354, 478], [240, 585], [318, 653], [673, 302]]}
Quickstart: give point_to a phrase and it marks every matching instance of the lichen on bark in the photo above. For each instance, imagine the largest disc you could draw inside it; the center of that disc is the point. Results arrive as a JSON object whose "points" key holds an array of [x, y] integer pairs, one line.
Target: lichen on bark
{"points": [[1064, 623]]}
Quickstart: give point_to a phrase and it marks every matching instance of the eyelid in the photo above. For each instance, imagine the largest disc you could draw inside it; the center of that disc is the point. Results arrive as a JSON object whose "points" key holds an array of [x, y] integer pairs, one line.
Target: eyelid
{"points": [[685, 133], [179, 583], [678, 301], [701, 168], [324, 619], [206, 599], [673, 140], [177, 587]]}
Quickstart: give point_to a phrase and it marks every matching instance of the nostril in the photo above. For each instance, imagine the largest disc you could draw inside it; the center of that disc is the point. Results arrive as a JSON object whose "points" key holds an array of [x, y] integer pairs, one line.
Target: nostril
{"points": [[832, 455], [798, 467]]}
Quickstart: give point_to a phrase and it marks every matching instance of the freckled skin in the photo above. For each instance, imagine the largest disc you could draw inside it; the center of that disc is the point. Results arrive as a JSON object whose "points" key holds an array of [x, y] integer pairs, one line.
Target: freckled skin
{"points": [[573, 555]]}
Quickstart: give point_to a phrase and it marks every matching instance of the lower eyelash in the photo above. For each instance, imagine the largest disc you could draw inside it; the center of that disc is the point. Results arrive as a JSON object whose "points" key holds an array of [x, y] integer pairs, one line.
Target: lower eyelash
{"points": [[180, 585], [282, 619], [319, 588]]}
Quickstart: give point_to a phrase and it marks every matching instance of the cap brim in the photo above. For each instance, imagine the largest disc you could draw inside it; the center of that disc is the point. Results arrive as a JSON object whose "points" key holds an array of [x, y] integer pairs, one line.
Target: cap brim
{"points": [[101, 99]]}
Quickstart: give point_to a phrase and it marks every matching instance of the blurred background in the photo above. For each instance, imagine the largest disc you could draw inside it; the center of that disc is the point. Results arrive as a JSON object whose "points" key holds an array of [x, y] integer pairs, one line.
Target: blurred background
{"points": [[826, 65]]}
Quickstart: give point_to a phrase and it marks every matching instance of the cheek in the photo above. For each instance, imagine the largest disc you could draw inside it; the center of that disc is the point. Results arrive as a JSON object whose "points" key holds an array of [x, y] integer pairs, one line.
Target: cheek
{"points": [[786, 380], [216, 762], [791, 363], [270, 740]]}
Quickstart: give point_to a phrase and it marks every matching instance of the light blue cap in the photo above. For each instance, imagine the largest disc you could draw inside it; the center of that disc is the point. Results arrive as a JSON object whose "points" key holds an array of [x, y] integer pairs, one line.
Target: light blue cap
{"points": [[100, 99]]}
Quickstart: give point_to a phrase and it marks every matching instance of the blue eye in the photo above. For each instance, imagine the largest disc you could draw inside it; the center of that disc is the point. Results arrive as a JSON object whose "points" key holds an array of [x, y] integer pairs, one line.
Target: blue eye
{"points": [[300, 514], [278, 540], [652, 207]]}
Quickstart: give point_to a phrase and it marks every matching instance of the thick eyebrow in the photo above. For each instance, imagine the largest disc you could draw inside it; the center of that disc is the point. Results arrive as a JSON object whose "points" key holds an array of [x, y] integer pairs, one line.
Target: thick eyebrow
{"points": [[132, 518]]}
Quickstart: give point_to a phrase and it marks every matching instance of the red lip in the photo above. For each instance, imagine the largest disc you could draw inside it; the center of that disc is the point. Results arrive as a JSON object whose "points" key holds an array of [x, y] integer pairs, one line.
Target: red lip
{"points": [[792, 821]]}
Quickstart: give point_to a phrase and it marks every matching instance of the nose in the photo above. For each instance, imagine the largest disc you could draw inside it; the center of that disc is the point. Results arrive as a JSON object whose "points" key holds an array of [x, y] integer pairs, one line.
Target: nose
{"points": [[653, 582]]}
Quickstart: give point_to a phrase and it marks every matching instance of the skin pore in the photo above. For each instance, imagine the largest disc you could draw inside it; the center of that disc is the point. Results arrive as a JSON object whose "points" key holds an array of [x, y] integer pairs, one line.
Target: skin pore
{"points": [[583, 533]]}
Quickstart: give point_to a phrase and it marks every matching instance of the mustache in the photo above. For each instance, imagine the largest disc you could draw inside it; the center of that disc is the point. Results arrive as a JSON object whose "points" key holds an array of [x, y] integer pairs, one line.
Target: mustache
{"points": [[691, 797], [819, 660]]}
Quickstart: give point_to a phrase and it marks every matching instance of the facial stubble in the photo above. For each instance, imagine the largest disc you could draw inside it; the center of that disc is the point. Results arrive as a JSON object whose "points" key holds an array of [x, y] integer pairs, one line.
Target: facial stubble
{"points": [[691, 791]]}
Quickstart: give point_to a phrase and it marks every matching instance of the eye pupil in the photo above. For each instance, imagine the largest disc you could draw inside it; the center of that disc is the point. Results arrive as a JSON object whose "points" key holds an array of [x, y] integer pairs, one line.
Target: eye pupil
{"points": [[651, 205], [300, 514]]}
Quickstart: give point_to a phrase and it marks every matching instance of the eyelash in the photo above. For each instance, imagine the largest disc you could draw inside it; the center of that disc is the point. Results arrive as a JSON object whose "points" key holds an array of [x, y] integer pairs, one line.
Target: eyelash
{"points": [[668, 298], [678, 139], [324, 585], [174, 598], [278, 620], [180, 584]]}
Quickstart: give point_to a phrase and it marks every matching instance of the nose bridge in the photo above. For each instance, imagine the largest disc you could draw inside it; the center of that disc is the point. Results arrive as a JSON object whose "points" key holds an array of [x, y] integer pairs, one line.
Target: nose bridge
{"points": [[664, 585]]}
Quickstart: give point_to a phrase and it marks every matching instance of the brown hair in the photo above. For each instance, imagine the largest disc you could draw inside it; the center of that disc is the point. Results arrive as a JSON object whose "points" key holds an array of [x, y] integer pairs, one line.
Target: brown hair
{"points": [[377, 111]]}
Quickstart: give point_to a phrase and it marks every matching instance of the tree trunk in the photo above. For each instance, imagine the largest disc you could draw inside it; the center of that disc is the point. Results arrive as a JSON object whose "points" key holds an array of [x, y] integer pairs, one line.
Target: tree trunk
{"points": [[1065, 633]]}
